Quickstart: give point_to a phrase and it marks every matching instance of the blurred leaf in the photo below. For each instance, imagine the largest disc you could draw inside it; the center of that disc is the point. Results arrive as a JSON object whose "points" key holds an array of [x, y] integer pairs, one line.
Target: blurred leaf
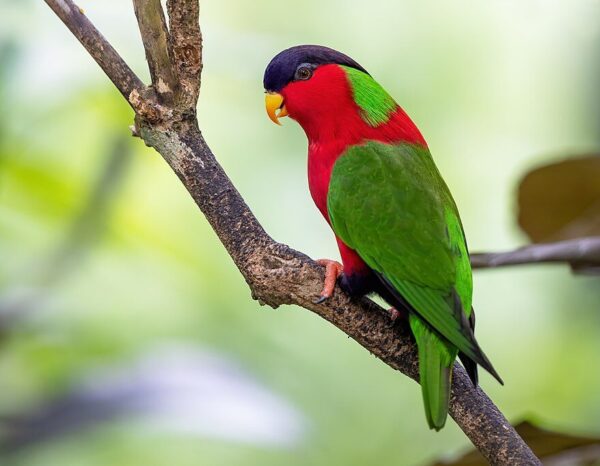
{"points": [[552, 448], [561, 200]]}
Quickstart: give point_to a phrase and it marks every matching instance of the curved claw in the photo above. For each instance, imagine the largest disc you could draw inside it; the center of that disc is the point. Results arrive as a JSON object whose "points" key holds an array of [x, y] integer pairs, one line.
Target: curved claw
{"points": [[333, 270], [321, 299]]}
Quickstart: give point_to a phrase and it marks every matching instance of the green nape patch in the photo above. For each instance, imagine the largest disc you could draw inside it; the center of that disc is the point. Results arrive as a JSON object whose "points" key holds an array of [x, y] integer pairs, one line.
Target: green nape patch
{"points": [[376, 104]]}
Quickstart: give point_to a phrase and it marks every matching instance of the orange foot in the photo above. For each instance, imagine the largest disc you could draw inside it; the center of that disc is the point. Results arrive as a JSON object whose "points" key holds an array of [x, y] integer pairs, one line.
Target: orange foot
{"points": [[333, 270]]}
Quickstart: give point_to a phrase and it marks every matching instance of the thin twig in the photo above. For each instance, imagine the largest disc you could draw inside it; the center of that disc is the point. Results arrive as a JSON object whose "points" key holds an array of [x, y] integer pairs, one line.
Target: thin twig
{"points": [[276, 274], [97, 46], [580, 252], [155, 37]]}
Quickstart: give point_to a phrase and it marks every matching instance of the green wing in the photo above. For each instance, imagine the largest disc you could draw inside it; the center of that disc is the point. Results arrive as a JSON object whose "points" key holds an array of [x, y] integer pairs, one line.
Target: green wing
{"points": [[390, 204]]}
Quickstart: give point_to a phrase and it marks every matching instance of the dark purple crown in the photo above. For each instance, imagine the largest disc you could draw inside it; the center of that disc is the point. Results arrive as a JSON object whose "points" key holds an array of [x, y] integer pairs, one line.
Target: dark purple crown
{"points": [[283, 66]]}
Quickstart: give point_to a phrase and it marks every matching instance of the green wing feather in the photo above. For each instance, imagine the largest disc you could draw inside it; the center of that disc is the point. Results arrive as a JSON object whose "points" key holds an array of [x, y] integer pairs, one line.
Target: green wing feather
{"points": [[390, 204]]}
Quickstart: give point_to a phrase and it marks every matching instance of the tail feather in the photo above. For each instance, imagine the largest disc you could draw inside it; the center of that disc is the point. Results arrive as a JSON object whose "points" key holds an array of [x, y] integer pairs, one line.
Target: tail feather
{"points": [[435, 372], [466, 340]]}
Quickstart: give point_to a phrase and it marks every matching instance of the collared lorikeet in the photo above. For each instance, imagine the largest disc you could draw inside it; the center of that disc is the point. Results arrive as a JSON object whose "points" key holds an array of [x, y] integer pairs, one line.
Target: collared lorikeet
{"points": [[399, 233]]}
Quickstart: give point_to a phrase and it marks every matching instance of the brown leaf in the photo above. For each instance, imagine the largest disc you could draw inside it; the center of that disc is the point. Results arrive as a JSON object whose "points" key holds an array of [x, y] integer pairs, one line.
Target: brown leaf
{"points": [[552, 448], [561, 200]]}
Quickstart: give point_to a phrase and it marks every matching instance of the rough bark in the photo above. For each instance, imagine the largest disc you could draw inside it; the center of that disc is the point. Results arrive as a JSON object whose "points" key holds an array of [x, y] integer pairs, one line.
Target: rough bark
{"points": [[186, 43], [275, 273]]}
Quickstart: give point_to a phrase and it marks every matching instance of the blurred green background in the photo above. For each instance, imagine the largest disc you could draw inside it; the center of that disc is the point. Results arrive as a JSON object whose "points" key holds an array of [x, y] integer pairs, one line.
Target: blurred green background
{"points": [[113, 286]]}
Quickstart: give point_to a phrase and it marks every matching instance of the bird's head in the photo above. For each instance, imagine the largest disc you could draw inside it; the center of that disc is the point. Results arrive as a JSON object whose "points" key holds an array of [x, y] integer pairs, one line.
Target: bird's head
{"points": [[315, 85], [333, 98]]}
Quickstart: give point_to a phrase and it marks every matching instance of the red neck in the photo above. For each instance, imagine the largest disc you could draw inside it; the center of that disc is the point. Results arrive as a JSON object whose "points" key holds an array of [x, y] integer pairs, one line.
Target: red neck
{"points": [[325, 108]]}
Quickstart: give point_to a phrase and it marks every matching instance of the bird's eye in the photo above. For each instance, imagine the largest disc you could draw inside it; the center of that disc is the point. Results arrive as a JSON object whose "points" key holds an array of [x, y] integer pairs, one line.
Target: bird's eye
{"points": [[303, 73]]}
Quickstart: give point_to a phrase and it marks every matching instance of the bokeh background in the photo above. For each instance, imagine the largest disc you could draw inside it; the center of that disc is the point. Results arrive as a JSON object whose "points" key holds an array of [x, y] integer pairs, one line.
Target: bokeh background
{"points": [[127, 335]]}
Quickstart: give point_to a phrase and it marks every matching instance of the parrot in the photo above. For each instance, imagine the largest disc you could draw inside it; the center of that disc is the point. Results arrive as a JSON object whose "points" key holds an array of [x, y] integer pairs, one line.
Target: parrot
{"points": [[397, 227]]}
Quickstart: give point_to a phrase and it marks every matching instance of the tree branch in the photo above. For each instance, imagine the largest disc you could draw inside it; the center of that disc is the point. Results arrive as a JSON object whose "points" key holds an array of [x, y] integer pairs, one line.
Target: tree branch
{"points": [[97, 46], [155, 37], [579, 253], [186, 43], [277, 274]]}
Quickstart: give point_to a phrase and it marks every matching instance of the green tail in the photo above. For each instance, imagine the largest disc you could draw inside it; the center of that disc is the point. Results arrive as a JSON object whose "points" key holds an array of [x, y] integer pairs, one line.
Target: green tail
{"points": [[436, 357]]}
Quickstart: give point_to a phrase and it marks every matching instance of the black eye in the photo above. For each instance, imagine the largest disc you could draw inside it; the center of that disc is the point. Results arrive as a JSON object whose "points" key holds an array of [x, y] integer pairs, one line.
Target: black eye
{"points": [[303, 73]]}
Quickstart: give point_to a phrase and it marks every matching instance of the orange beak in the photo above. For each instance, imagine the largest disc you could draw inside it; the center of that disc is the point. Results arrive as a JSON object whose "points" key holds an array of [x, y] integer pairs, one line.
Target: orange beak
{"points": [[275, 106]]}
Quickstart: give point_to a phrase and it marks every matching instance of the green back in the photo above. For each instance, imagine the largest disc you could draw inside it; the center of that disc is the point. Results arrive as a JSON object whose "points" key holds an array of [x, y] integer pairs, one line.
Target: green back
{"points": [[390, 204]]}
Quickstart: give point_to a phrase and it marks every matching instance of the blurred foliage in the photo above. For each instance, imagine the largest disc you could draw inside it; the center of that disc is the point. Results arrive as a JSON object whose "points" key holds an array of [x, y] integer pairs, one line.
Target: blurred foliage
{"points": [[479, 81], [552, 448], [561, 200], [171, 389]]}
